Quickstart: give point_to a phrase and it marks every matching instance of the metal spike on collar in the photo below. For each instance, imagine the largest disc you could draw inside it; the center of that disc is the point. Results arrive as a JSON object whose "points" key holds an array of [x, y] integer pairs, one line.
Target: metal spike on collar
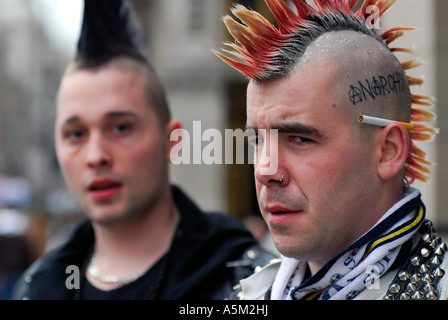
{"points": [[415, 278], [416, 261], [439, 272], [425, 252], [434, 244], [432, 295], [436, 261], [411, 287], [427, 238], [428, 278], [439, 251], [404, 276], [405, 296], [429, 287], [395, 288], [418, 295], [424, 268]]}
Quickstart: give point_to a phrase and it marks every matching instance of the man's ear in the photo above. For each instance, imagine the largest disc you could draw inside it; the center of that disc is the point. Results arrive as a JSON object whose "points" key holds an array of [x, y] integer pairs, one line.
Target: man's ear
{"points": [[395, 144], [173, 135]]}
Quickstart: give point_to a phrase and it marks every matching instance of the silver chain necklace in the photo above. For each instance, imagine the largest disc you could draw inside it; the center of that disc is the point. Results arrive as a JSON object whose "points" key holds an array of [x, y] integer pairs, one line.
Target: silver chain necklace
{"points": [[94, 271]]}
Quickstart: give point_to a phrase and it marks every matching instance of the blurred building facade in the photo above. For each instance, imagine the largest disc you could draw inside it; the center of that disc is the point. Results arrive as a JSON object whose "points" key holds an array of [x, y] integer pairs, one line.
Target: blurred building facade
{"points": [[30, 71]]}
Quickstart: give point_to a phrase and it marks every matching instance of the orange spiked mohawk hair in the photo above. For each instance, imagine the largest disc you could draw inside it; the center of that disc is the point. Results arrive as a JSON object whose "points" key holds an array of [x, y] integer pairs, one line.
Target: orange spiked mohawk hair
{"points": [[264, 52]]}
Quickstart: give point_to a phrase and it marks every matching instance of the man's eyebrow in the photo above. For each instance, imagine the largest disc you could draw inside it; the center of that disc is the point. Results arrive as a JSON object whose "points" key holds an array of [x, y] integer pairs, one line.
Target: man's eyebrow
{"points": [[120, 114], [110, 115], [296, 128], [300, 129], [73, 119]]}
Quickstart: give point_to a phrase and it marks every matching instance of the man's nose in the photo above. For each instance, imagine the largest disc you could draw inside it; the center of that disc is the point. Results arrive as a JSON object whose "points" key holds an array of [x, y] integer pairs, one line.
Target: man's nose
{"points": [[267, 169], [97, 154], [279, 177]]}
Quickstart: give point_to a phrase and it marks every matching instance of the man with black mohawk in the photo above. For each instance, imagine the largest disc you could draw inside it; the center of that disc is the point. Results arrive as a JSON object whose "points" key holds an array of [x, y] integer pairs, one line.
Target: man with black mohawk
{"points": [[144, 239], [340, 207]]}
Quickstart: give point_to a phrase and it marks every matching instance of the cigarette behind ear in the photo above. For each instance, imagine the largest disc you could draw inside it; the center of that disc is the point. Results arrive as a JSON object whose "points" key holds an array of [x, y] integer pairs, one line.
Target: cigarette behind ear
{"points": [[380, 122]]}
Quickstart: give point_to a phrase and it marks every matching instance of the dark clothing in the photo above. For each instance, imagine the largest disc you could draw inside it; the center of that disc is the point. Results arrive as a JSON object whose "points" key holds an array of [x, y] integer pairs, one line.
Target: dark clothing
{"points": [[207, 258]]}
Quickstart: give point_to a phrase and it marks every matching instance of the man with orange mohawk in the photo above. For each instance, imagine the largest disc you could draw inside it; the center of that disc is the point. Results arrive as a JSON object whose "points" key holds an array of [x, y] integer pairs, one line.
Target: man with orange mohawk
{"points": [[340, 207]]}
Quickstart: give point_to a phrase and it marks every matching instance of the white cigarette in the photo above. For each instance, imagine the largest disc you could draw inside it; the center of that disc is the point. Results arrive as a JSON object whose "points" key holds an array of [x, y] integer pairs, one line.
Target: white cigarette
{"points": [[380, 122]]}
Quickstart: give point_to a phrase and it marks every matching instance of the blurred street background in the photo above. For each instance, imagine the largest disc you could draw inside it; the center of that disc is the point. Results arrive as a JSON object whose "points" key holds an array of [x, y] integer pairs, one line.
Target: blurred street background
{"points": [[38, 39]]}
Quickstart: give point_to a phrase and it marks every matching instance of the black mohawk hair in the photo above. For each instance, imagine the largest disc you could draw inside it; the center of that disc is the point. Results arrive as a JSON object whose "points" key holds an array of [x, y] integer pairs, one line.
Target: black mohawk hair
{"points": [[110, 29]]}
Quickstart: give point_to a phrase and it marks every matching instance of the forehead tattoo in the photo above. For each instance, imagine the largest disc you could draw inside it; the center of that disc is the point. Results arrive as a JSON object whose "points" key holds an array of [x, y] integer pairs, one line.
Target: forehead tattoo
{"points": [[377, 86]]}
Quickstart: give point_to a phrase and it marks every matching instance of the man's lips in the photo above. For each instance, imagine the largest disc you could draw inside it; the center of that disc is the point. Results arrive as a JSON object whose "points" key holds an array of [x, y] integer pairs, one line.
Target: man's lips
{"points": [[104, 188], [280, 215], [280, 210]]}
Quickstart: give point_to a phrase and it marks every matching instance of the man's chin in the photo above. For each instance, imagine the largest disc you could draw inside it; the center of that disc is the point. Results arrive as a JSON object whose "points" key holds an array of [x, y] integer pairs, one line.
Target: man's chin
{"points": [[108, 221], [107, 217]]}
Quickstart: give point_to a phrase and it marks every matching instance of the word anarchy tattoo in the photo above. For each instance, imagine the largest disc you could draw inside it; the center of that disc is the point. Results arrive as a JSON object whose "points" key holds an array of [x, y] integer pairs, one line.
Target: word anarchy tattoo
{"points": [[377, 86]]}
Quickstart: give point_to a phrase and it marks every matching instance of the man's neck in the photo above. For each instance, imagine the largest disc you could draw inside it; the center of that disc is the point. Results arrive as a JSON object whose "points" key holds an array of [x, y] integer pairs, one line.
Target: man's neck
{"points": [[385, 202], [132, 247]]}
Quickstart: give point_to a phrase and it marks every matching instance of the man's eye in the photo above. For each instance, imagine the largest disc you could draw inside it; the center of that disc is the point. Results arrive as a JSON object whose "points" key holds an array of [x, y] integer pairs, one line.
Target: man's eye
{"points": [[74, 134], [301, 140], [121, 128]]}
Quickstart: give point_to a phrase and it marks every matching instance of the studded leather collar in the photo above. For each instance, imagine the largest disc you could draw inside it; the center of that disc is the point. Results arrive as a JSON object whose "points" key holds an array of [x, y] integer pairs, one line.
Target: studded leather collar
{"points": [[419, 277]]}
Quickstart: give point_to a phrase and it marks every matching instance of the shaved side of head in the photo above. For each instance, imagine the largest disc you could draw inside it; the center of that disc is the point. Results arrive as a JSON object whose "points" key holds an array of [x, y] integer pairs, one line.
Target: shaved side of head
{"points": [[370, 78]]}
